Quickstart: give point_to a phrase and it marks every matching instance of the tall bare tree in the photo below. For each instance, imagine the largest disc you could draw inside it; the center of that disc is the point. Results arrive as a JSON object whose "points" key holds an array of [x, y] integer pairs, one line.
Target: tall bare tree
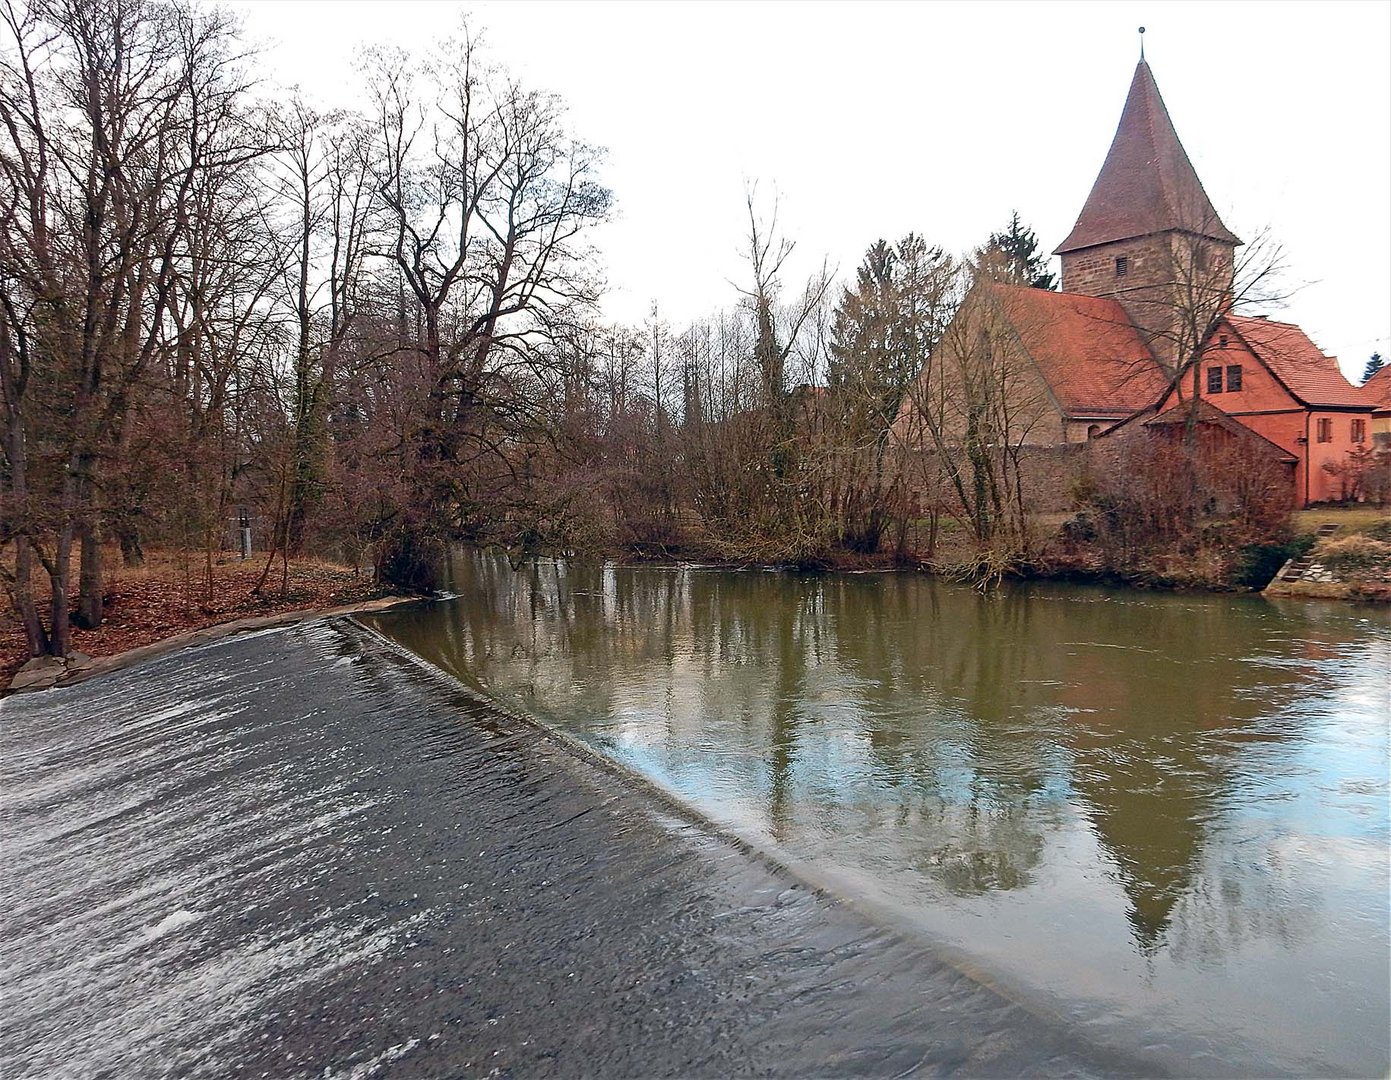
{"points": [[110, 113], [486, 199], [326, 188]]}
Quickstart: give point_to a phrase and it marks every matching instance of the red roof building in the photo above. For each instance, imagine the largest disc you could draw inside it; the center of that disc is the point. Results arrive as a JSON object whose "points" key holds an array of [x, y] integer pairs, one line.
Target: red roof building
{"points": [[1146, 322], [1377, 390]]}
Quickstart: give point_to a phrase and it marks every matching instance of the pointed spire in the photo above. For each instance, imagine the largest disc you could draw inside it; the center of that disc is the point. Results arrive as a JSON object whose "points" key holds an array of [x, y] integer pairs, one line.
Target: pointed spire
{"points": [[1147, 184]]}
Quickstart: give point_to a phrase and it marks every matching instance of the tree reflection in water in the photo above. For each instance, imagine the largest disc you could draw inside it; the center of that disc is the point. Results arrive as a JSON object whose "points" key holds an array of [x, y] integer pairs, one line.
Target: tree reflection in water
{"points": [[963, 749]]}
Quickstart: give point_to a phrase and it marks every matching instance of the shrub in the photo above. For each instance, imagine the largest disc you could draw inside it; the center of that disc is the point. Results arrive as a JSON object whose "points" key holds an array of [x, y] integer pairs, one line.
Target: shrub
{"points": [[1257, 564], [1079, 529], [1379, 530], [411, 558]]}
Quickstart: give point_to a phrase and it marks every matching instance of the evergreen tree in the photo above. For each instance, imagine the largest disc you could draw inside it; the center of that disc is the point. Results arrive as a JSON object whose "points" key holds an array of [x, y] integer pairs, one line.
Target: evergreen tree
{"points": [[1013, 257], [885, 326], [1375, 364], [862, 330]]}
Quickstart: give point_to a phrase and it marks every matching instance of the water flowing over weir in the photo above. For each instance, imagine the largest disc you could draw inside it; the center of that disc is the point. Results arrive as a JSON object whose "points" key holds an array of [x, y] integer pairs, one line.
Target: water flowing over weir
{"points": [[1163, 818], [301, 853]]}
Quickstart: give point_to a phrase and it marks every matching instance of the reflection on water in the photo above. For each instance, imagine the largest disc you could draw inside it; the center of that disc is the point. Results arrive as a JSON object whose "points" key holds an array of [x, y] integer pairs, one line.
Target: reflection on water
{"points": [[1165, 815]]}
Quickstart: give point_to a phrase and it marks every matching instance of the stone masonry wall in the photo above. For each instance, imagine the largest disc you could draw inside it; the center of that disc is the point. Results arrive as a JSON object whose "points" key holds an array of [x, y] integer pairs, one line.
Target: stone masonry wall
{"points": [[1165, 272]]}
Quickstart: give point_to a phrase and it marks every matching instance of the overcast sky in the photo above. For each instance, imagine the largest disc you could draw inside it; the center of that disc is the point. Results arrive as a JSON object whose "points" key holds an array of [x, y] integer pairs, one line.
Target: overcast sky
{"points": [[874, 120]]}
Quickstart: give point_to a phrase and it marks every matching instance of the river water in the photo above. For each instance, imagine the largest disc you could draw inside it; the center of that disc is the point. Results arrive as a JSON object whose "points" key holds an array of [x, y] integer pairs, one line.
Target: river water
{"points": [[1162, 818]]}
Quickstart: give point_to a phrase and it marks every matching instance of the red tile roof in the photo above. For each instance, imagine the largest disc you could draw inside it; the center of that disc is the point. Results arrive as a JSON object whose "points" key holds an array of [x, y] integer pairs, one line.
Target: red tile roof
{"points": [[1377, 389], [1147, 184], [1086, 348], [1298, 363]]}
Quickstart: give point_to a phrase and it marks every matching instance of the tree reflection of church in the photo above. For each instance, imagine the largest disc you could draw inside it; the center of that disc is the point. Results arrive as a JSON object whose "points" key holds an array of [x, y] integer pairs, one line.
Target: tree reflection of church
{"points": [[955, 731]]}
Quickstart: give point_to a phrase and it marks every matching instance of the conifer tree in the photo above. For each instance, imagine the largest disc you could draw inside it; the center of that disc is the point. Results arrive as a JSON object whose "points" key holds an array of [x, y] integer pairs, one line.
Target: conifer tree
{"points": [[1013, 257], [1374, 364], [886, 324], [863, 328]]}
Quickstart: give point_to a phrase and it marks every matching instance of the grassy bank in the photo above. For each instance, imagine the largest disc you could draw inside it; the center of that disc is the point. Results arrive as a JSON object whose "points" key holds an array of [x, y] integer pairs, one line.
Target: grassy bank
{"points": [[1353, 563]]}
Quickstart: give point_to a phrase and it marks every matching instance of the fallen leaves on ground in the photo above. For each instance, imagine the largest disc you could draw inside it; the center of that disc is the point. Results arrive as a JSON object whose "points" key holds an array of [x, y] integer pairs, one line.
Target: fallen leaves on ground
{"points": [[170, 596]]}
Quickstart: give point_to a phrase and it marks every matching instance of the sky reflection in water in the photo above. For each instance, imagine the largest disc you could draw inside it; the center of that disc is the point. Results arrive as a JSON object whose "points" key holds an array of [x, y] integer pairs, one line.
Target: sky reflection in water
{"points": [[1166, 816]]}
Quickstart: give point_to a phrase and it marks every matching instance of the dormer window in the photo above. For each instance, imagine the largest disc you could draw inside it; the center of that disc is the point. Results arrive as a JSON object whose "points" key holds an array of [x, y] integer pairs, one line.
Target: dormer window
{"points": [[1122, 265]]}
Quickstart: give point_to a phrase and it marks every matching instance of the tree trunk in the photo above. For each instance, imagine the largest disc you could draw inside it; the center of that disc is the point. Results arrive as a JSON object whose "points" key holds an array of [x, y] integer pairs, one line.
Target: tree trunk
{"points": [[59, 574], [132, 553], [22, 588], [307, 481], [89, 578], [23, 595]]}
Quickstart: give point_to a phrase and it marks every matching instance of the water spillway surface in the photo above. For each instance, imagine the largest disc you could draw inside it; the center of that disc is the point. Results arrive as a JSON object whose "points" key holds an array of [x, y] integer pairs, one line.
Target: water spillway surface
{"points": [[302, 854], [1162, 818]]}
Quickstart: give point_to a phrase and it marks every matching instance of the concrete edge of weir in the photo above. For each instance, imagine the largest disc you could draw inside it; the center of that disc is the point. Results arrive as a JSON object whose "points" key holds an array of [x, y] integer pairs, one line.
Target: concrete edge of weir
{"points": [[206, 635]]}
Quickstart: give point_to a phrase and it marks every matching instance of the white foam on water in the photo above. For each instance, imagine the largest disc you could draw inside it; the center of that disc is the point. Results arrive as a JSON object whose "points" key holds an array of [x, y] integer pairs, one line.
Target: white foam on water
{"points": [[174, 921], [364, 1069]]}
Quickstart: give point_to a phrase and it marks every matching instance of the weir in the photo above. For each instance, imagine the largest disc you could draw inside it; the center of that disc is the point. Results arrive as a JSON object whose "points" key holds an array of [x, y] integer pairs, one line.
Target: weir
{"points": [[300, 853]]}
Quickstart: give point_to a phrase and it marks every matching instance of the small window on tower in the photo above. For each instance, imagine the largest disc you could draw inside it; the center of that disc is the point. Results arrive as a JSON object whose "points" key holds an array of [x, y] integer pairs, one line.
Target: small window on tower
{"points": [[1222, 341], [1214, 380], [1233, 378], [1122, 265]]}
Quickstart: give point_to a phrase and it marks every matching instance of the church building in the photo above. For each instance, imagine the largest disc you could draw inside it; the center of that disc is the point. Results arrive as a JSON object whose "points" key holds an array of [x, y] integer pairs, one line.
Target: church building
{"points": [[1146, 326]]}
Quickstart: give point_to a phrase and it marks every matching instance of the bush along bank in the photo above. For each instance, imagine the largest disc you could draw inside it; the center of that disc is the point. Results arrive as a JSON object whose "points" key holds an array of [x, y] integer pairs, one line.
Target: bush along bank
{"points": [[1353, 562]]}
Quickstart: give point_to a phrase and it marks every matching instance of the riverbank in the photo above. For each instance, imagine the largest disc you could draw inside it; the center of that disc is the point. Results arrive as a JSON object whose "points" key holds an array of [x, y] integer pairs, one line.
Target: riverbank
{"points": [[1066, 551], [174, 596], [301, 853]]}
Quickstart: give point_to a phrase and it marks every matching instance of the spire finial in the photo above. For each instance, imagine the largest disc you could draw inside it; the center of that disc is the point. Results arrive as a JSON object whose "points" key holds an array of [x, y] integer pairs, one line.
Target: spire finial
{"points": [[1142, 43]]}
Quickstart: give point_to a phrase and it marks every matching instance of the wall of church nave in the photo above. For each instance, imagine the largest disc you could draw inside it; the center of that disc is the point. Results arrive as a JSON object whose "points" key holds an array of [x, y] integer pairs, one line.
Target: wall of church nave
{"points": [[1049, 477]]}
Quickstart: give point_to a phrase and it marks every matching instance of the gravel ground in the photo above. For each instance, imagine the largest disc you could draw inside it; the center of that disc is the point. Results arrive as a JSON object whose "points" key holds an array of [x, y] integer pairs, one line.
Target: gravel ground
{"points": [[299, 853]]}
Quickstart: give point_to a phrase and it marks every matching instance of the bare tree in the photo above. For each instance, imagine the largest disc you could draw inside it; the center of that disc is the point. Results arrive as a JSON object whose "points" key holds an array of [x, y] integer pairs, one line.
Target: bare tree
{"points": [[1190, 283], [970, 415], [486, 198], [107, 115], [326, 184]]}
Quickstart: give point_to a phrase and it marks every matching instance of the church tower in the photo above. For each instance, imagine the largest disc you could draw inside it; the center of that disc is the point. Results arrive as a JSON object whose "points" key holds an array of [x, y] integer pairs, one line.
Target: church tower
{"points": [[1148, 235]]}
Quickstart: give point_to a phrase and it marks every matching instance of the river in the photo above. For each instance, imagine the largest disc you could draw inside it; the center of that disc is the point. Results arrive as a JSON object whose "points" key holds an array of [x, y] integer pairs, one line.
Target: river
{"points": [[1162, 818]]}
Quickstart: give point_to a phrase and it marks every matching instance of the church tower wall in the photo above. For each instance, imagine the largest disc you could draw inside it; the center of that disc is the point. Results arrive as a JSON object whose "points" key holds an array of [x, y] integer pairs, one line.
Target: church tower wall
{"points": [[1167, 282]]}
